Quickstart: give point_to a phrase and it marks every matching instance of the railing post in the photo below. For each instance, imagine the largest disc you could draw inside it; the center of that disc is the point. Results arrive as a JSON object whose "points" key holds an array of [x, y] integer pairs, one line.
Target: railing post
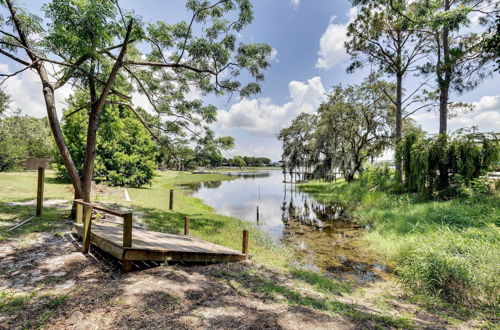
{"points": [[87, 224], [186, 225], [171, 200], [79, 213], [244, 248], [39, 192], [127, 230]]}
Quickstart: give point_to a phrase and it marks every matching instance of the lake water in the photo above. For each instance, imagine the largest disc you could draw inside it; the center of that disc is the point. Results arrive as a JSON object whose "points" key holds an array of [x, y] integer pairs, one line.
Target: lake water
{"points": [[321, 236]]}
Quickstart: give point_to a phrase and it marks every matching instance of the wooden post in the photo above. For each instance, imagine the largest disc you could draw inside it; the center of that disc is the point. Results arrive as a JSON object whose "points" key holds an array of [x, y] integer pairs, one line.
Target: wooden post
{"points": [[127, 230], [39, 192], [257, 214], [244, 248], [126, 266], [79, 213], [87, 224], [186, 225], [171, 200]]}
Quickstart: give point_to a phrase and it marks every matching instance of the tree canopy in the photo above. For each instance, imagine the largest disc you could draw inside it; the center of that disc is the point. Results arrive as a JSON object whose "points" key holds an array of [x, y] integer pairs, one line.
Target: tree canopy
{"points": [[95, 45]]}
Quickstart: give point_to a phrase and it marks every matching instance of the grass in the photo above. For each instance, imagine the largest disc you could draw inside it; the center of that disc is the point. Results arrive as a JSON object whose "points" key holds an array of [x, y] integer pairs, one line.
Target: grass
{"points": [[448, 249], [150, 205]]}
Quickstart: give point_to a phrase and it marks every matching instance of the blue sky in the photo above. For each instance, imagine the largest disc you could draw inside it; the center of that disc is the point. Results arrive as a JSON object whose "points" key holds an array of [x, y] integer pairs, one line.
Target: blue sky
{"points": [[308, 38]]}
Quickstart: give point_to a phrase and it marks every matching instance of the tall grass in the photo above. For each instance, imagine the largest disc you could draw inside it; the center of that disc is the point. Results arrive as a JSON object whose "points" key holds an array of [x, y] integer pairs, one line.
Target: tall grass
{"points": [[449, 249]]}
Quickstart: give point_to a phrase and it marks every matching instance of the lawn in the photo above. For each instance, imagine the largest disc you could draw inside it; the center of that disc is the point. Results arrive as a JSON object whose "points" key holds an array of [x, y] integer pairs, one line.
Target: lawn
{"points": [[150, 205]]}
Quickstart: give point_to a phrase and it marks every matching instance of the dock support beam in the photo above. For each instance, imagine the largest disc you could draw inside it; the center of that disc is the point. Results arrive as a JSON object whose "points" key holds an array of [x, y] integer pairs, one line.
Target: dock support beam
{"points": [[186, 226], [171, 200], [244, 247], [39, 192]]}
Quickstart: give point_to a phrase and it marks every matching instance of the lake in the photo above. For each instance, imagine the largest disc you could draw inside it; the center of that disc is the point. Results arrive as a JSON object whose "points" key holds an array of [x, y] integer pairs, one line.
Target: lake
{"points": [[322, 237]]}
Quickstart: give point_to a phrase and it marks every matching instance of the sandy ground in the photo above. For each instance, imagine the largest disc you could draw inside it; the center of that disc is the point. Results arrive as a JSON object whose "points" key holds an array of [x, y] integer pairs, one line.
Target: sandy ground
{"points": [[52, 285]]}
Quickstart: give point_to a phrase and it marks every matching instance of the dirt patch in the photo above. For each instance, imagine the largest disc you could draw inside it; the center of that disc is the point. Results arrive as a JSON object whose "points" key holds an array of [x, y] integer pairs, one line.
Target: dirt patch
{"points": [[47, 282]]}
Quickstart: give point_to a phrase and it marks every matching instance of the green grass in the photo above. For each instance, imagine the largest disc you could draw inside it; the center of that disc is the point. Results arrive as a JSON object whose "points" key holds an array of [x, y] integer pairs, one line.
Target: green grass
{"points": [[449, 249], [150, 205]]}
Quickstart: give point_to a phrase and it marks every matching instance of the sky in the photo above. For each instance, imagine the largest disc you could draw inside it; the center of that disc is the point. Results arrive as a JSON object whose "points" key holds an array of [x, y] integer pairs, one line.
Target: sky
{"points": [[308, 59]]}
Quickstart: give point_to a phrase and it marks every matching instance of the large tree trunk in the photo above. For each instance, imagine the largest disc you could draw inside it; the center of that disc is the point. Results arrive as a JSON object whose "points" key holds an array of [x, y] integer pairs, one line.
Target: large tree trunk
{"points": [[48, 94], [444, 84]]}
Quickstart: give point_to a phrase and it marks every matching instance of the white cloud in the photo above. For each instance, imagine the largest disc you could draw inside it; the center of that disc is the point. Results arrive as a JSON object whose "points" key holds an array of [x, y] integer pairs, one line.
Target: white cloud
{"points": [[274, 55], [488, 103], [260, 116], [25, 90], [295, 3], [331, 44]]}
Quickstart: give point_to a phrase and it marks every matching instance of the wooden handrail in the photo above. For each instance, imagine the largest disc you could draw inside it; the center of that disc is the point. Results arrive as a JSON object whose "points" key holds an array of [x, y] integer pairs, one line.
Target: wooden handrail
{"points": [[83, 215], [103, 209]]}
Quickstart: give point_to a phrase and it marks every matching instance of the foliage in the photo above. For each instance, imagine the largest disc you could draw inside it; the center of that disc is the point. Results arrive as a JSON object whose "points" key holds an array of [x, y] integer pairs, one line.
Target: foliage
{"points": [[299, 145], [98, 46], [125, 152], [4, 102], [208, 151], [23, 137], [462, 157]]}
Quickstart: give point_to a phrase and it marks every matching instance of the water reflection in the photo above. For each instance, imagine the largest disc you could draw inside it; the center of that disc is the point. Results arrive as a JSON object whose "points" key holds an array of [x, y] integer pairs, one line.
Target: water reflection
{"points": [[321, 236]]}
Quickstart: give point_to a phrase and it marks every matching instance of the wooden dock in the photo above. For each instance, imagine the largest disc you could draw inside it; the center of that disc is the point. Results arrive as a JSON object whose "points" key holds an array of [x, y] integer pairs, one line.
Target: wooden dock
{"points": [[144, 245]]}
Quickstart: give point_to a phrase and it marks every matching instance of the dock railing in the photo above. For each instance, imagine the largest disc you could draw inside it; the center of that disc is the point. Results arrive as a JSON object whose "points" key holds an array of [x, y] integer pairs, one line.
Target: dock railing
{"points": [[83, 215]]}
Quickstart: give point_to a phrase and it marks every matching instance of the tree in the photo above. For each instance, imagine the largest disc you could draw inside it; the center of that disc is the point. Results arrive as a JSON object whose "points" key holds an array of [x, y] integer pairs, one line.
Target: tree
{"points": [[126, 154], [355, 124], [94, 44], [4, 102], [380, 36], [238, 161], [208, 150], [299, 146], [459, 61], [23, 137]]}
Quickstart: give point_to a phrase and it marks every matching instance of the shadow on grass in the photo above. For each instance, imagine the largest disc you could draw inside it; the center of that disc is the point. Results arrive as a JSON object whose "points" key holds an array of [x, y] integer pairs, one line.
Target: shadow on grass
{"points": [[52, 219]]}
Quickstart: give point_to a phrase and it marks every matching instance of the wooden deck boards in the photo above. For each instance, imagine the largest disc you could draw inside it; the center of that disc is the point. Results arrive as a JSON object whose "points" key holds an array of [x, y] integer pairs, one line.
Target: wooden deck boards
{"points": [[149, 245]]}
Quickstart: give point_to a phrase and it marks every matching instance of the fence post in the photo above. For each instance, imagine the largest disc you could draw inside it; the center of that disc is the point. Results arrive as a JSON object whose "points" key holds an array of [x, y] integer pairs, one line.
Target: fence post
{"points": [[244, 248], [79, 213], [171, 200], [87, 224], [127, 230], [258, 214], [39, 192], [186, 225]]}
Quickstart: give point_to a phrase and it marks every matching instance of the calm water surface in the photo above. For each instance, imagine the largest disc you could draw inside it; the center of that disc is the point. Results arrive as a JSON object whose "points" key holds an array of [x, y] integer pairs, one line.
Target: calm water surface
{"points": [[321, 236]]}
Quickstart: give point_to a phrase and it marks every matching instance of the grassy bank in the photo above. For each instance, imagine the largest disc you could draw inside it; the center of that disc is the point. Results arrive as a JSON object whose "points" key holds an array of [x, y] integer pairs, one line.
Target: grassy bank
{"points": [[446, 249], [150, 206]]}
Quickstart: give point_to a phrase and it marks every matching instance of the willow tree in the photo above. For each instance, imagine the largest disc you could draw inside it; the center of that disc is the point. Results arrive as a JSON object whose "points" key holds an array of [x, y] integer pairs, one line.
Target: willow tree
{"points": [[92, 44], [381, 37]]}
